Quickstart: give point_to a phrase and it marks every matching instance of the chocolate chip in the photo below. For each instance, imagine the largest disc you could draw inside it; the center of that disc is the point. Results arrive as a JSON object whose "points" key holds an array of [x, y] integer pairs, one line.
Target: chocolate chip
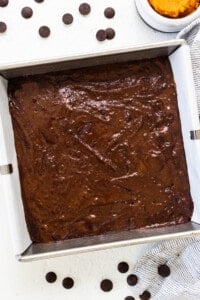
{"points": [[67, 19], [101, 35], [84, 9], [106, 285], [132, 279], [109, 12], [39, 1], [44, 31], [3, 3], [51, 277], [129, 298], [164, 270], [27, 12], [145, 295], [110, 33], [68, 283], [3, 27], [123, 267]]}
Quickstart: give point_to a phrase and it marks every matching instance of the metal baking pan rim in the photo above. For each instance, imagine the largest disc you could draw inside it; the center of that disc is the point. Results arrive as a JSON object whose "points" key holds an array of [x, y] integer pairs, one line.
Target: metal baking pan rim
{"points": [[58, 59], [190, 229]]}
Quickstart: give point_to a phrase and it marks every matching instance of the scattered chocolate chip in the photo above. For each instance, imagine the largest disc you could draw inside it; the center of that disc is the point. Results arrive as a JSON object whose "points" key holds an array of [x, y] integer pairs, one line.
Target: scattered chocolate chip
{"points": [[164, 270], [3, 27], [129, 298], [68, 283], [3, 3], [27, 12], [67, 19], [51, 277], [101, 35], [123, 267], [110, 33], [132, 279], [39, 1], [145, 295], [106, 285], [109, 12], [84, 9], [44, 31]]}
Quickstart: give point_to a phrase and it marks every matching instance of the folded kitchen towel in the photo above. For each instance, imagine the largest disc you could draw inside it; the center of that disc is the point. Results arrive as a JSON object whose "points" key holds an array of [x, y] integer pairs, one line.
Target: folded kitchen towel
{"points": [[182, 256], [192, 36]]}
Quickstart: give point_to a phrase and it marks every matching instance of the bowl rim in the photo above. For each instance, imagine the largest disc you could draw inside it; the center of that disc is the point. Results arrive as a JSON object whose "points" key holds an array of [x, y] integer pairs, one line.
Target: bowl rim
{"points": [[176, 21]]}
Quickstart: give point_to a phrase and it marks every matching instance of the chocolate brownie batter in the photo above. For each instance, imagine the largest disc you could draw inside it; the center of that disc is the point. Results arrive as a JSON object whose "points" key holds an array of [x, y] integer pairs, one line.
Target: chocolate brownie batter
{"points": [[99, 150]]}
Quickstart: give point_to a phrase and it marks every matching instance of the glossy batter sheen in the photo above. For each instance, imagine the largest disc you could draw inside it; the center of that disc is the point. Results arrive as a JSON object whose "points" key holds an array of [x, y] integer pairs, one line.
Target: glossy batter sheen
{"points": [[99, 150]]}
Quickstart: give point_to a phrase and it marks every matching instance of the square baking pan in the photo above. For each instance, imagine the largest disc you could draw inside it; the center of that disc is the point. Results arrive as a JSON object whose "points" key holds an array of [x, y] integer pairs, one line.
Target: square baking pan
{"points": [[179, 56]]}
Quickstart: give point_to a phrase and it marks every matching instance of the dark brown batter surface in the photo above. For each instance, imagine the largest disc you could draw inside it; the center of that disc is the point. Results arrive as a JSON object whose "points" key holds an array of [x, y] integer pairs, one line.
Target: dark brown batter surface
{"points": [[100, 149]]}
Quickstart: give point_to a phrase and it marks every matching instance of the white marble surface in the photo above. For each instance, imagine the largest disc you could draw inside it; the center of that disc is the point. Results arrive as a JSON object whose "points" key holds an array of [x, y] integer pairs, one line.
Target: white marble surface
{"points": [[21, 43]]}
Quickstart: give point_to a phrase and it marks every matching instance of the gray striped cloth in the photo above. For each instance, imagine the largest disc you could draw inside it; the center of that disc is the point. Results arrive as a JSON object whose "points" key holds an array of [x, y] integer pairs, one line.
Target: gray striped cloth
{"points": [[181, 255], [192, 35]]}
